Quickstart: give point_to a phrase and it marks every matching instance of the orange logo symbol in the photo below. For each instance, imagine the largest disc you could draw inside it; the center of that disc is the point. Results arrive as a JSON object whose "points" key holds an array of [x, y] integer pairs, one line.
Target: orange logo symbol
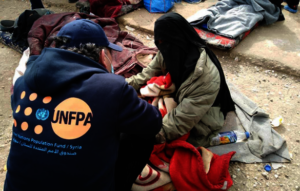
{"points": [[71, 118], [28, 111]]}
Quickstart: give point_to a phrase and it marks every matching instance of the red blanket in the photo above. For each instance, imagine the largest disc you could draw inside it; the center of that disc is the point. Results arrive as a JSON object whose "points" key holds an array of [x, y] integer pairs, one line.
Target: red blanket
{"points": [[106, 8], [112, 8], [126, 63], [187, 169]]}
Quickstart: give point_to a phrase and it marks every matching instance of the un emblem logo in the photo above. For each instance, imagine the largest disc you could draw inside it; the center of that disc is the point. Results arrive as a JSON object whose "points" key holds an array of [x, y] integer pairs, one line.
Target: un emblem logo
{"points": [[42, 114]]}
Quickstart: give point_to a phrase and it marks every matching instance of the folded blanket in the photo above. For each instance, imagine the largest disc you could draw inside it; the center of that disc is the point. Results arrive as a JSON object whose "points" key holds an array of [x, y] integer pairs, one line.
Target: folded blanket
{"points": [[231, 18]]}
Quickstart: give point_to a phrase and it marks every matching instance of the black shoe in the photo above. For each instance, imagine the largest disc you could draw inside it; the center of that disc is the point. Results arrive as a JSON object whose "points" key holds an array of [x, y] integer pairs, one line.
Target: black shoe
{"points": [[73, 1], [281, 17], [7, 25]]}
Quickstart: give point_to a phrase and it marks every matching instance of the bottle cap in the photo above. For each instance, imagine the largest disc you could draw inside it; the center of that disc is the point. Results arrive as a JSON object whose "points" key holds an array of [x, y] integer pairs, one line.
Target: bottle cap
{"points": [[268, 168], [247, 134]]}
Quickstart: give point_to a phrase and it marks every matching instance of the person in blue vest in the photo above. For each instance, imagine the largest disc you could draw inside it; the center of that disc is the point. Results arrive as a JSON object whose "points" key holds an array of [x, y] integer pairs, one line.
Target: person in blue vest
{"points": [[78, 126]]}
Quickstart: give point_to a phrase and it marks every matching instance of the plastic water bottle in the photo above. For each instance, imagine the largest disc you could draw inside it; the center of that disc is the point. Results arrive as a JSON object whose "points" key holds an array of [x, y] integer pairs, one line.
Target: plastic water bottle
{"points": [[229, 137]]}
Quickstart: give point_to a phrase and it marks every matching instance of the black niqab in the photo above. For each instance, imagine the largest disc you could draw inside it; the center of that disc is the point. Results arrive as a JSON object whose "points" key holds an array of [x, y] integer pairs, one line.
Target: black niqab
{"points": [[179, 54], [179, 45]]}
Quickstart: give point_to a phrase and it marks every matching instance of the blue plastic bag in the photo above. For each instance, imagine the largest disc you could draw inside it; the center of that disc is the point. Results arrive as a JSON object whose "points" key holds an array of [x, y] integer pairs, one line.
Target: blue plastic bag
{"points": [[158, 6]]}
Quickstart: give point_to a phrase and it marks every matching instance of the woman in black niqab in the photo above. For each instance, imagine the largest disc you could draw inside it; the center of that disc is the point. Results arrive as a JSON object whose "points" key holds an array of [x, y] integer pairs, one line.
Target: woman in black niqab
{"points": [[180, 46]]}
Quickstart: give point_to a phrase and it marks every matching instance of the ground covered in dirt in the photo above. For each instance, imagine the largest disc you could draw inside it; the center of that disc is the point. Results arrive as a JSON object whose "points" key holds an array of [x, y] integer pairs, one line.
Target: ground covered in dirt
{"points": [[277, 93]]}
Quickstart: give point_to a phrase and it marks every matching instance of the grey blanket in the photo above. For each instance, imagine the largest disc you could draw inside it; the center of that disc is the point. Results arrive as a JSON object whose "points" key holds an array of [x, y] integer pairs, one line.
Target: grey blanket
{"points": [[264, 145], [231, 18]]}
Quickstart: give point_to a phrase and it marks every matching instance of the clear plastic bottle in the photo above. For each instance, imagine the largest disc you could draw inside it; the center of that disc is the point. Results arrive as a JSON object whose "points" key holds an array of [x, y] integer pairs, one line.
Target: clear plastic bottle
{"points": [[229, 137]]}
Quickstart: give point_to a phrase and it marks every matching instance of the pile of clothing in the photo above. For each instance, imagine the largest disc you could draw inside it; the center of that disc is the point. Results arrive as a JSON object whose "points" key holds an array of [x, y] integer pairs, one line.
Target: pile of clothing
{"points": [[233, 17], [134, 57], [233, 20]]}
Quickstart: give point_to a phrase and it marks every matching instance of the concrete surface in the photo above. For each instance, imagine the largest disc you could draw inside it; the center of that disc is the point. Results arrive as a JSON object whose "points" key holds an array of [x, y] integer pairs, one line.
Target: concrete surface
{"points": [[278, 43], [143, 20], [276, 47]]}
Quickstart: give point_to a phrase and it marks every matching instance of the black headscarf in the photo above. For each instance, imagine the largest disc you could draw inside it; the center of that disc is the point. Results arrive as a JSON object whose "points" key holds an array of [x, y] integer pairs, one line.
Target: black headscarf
{"points": [[179, 45]]}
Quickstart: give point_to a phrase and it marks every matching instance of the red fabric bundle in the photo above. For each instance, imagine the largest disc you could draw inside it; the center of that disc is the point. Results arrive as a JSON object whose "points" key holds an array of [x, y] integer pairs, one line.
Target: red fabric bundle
{"points": [[107, 8], [163, 82], [157, 92], [158, 86], [126, 63], [187, 169]]}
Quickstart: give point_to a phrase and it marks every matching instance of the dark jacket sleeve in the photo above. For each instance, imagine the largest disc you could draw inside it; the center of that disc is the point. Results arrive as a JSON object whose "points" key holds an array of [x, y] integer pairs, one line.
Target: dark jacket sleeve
{"points": [[136, 116]]}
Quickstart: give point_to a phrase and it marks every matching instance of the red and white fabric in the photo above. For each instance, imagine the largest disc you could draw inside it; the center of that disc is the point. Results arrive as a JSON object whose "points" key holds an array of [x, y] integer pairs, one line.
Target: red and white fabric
{"points": [[189, 168], [157, 92], [158, 86], [150, 179]]}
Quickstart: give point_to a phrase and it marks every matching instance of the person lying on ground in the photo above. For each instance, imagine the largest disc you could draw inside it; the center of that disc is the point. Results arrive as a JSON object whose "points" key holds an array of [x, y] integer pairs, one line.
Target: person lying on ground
{"points": [[108, 8], [76, 125], [201, 91]]}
